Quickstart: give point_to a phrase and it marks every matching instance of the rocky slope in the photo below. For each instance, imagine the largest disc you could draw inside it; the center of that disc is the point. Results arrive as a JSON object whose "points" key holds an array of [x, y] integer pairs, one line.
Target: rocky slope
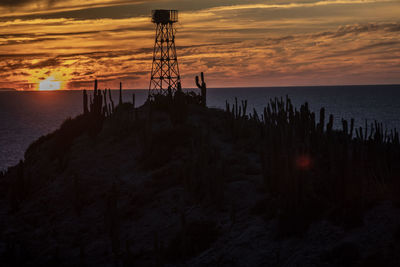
{"points": [[170, 185]]}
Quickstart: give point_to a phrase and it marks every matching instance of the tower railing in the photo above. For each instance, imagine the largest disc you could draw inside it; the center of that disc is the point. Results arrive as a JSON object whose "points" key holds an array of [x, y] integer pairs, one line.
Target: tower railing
{"points": [[164, 16]]}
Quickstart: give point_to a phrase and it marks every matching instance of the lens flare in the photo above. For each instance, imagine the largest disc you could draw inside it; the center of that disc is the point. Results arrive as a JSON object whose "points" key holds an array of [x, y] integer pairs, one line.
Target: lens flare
{"points": [[304, 162]]}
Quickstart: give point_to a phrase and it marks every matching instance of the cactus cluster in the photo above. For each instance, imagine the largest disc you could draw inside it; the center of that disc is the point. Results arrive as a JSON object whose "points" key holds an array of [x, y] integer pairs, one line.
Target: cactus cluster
{"points": [[176, 102], [204, 172], [313, 169], [120, 94], [178, 97], [97, 104], [237, 118]]}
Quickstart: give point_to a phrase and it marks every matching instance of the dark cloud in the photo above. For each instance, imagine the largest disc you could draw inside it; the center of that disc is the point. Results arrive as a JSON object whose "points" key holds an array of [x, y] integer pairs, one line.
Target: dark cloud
{"points": [[16, 3], [16, 35], [51, 62], [84, 82], [20, 64], [123, 8], [20, 74], [13, 65], [80, 84], [97, 55], [23, 55], [362, 49], [359, 28], [10, 3], [19, 42], [57, 60], [122, 75], [62, 34]]}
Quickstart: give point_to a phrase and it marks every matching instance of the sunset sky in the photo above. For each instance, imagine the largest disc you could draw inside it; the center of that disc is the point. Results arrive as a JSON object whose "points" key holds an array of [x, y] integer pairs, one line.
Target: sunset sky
{"points": [[235, 42]]}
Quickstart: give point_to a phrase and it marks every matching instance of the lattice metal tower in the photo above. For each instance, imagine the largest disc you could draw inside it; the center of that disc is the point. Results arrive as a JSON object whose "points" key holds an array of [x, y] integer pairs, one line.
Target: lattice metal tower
{"points": [[164, 70]]}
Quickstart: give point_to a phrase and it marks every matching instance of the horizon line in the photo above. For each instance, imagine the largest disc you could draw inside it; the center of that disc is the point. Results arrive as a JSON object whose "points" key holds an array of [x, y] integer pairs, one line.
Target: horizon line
{"points": [[195, 88]]}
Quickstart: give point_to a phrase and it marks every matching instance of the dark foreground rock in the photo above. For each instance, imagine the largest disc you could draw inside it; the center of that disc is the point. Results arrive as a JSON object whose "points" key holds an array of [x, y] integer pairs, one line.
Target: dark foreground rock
{"points": [[166, 186]]}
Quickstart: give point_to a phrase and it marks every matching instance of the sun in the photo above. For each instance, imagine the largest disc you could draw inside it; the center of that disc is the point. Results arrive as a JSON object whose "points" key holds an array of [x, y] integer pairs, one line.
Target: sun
{"points": [[49, 84]]}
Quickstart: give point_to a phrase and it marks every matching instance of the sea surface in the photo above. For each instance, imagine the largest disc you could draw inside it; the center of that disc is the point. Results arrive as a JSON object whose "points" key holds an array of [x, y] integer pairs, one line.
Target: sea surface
{"points": [[25, 116]]}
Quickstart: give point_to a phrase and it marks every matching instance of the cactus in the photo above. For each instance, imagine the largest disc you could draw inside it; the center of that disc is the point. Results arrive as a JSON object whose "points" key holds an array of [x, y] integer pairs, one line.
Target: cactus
{"points": [[133, 100], [288, 134], [203, 89], [169, 94], [321, 123], [179, 87], [244, 107], [95, 87], [120, 94], [106, 111], [351, 127], [111, 101], [91, 103], [85, 102], [96, 103], [329, 126], [345, 127]]}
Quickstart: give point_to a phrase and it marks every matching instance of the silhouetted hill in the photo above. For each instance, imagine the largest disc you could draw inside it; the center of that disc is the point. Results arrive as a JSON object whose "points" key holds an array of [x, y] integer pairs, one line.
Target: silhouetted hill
{"points": [[173, 183]]}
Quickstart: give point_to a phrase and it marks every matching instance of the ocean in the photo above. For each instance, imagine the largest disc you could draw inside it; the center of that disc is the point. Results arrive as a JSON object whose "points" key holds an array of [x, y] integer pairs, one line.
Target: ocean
{"points": [[25, 116]]}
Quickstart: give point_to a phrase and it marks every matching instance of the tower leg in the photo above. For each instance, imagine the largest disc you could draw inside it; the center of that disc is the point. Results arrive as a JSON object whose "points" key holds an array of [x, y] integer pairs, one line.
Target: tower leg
{"points": [[165, 69]]}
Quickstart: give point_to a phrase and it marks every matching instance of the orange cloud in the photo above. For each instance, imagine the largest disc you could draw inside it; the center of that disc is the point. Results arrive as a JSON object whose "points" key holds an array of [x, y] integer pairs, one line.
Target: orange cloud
{"points": [[237, 45]]}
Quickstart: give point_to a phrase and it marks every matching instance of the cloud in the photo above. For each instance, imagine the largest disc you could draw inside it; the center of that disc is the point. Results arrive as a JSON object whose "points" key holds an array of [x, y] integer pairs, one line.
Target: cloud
{"points": [[293, 4], [9, 3], [262, 43], [19, 42], [91, 9], [282, 60], [21, 64], [51, 62], [32, 8], [358, 50]]}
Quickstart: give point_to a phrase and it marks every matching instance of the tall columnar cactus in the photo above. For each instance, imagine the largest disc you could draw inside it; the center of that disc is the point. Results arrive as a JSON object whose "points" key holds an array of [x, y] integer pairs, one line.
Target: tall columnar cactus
{"points": [[97, 103], [203, 89], [329, 126], [345, 127], [169, 94], [179, 87], [295, 153], [244, 107], [120, 93], [95, 87], [91, 103], [351, 127], [321, 123], [85, 102], [106, 111], [111, 101]]}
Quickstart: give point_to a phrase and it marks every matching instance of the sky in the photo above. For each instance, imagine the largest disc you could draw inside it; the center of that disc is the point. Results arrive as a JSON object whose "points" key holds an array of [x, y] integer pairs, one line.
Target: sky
{"points": [[235, 42]]}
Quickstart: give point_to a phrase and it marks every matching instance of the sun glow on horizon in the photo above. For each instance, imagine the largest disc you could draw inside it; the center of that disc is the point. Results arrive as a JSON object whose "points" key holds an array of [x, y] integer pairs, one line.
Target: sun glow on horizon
{"points": [[49, 84]]}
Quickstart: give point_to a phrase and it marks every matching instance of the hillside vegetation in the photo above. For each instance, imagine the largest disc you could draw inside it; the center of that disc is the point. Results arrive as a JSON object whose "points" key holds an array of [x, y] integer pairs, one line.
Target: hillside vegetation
{"points": [[174, 183]]}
